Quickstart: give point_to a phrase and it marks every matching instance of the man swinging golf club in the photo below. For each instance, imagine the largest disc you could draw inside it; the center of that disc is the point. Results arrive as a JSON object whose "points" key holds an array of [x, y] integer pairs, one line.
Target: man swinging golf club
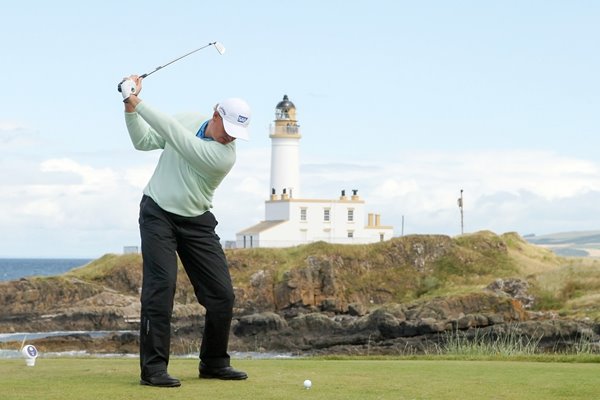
{"points": [[175, 220]]}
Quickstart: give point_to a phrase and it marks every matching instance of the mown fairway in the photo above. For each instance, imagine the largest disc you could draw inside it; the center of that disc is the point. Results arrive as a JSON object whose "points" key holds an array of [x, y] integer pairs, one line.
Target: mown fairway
{"points": [[97, 378]]}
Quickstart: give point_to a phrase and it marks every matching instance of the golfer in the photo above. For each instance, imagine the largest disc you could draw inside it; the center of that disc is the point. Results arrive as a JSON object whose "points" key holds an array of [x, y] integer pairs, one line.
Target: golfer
{"points": [[175, 220]]}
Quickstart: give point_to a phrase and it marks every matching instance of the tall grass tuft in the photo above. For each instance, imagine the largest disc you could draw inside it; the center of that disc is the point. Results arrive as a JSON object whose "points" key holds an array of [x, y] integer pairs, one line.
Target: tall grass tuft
{"points": [[585, 345], [503, 344]]}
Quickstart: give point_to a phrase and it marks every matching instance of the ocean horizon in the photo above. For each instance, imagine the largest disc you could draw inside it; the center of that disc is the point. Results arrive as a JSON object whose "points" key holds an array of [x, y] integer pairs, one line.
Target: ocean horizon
{"points": [[12, 269]]}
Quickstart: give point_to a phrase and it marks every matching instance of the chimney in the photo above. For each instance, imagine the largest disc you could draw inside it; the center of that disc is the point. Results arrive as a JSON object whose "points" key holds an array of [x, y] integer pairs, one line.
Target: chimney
{"points": [[355, 194], [273, 195], [370, 223], [343, 196], [284, 196], [377, 220]]}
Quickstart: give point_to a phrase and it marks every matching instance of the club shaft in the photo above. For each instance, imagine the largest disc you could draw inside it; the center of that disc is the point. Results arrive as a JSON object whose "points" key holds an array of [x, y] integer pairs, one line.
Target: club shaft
{"points": [[177, 59]]}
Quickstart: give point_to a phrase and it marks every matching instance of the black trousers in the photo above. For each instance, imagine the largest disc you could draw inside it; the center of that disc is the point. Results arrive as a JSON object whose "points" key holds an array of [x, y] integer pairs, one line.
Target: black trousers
{"points": [[164, 235]]}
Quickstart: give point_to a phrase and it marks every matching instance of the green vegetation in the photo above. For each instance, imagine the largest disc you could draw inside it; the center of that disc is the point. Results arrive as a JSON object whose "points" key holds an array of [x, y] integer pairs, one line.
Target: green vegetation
{"points": [[506, 345], [572, 290], [73, 379], [103, 266], [448, 266], [401, 270]]}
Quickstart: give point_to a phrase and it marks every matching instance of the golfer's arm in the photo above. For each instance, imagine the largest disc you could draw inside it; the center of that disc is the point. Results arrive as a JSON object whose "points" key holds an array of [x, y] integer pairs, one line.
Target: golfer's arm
{"points": [[131, 102], [143, 137], [201, 156]]}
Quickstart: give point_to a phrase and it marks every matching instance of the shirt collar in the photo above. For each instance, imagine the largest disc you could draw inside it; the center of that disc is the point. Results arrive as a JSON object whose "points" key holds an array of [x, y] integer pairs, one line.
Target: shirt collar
{"points": [[202, 131]]}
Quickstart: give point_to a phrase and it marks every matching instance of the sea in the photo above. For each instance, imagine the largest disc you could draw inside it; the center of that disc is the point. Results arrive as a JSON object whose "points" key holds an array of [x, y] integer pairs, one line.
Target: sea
{"points": [[16, 268]]}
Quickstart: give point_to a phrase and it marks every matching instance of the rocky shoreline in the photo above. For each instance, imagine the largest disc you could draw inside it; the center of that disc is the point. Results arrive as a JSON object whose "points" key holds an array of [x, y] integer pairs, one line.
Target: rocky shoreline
{"points": [[398, 329], [329, 303]]}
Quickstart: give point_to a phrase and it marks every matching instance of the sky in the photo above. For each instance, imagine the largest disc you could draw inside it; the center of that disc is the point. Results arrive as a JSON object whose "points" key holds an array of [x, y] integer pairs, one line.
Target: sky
{"points": [[407, 102]]}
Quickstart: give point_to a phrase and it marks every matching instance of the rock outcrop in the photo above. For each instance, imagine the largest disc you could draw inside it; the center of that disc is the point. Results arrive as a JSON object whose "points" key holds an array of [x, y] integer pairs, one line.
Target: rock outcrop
{"points": [[371, 299]]}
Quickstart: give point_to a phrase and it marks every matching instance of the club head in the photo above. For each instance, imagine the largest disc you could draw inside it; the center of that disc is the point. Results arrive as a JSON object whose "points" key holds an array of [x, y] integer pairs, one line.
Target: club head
{"points": [[220, 48]]}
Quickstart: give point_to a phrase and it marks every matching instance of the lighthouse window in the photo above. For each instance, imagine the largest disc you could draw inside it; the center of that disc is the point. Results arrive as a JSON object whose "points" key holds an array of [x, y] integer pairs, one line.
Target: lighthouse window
{"points": [[326, 215], [282, 114], [350, 215], [303, 214]]}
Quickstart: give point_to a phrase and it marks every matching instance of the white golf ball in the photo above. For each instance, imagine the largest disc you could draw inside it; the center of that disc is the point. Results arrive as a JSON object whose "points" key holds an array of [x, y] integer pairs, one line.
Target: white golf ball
{"points": [[307, 384]]}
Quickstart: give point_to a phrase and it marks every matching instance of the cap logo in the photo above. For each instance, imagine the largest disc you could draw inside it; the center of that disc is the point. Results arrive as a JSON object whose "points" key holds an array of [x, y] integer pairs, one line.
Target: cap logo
{"points": [[242, 119], [222, 111]]}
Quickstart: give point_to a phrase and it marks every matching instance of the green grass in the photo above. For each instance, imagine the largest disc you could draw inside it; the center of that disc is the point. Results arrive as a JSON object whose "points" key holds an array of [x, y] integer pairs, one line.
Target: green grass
{"points": [[94, 378], [572, 290], [507, 344]]}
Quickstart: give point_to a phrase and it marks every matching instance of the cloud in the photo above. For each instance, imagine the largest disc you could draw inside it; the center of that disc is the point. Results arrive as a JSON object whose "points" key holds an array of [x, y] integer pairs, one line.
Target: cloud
{"points": [[74, 208], [94, 179], [9, 126], [90, 213], [16, 135], [139, 176], [503, 190]]}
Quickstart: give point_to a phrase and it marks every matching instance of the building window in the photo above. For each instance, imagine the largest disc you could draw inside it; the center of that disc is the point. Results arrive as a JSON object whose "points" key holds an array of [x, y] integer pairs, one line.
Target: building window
{"points": [[326, 215], [303, 214], [381, 237], [350, 234], [351, 215]]}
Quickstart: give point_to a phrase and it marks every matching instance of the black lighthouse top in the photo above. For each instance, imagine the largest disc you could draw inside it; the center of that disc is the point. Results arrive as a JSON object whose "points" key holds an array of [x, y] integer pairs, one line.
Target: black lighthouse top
{"points": [[285, 109], [285, 103]]}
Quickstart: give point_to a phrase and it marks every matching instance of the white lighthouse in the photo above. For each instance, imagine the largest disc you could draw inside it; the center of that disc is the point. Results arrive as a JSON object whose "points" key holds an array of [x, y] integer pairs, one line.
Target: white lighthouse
{"points": [[291, 220], [285, 150]]}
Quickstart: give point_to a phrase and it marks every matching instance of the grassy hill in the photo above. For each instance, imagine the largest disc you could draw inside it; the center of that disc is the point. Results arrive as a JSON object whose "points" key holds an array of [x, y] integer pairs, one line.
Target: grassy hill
{"points": [[400, 270]]}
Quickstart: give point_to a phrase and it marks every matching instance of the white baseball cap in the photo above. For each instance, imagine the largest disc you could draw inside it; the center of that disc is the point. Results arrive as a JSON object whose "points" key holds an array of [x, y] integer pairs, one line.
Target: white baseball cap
{"points": [[236, 117]]}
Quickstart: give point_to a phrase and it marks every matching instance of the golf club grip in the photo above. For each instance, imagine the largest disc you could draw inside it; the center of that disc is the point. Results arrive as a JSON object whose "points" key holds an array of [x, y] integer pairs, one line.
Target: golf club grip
{"points": [[119, 85]]}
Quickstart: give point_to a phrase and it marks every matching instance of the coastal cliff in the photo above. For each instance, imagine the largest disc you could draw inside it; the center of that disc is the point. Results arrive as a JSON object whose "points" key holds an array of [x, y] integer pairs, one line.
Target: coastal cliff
{"points": [[393, 297]]}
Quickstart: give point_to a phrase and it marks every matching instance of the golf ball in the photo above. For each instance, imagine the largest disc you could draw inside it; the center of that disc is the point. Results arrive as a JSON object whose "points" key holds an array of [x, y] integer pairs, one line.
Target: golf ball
{"points": [[307, 384]]}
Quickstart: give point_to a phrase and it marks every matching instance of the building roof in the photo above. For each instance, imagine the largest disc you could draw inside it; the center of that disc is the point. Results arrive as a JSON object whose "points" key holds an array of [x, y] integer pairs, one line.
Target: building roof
{"points": [[323, 201], [261, 227]]}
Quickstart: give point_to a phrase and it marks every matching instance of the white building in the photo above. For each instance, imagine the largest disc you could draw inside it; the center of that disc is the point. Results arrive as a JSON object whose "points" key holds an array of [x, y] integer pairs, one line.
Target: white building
{"points": [[291, 220], [131, 249]]}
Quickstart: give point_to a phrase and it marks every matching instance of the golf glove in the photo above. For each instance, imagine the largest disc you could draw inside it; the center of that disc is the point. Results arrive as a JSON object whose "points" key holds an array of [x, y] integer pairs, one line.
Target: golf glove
{"points": [[127, 88]]}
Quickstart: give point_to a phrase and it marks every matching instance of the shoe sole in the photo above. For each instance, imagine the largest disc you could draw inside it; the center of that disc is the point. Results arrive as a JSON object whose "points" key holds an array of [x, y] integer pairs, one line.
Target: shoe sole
{"points": [[146, 383], [224, 378]]}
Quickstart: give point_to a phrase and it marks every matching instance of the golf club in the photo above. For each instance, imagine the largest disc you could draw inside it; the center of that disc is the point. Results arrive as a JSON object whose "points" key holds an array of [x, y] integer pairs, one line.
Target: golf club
{"points": [[220, 48]]}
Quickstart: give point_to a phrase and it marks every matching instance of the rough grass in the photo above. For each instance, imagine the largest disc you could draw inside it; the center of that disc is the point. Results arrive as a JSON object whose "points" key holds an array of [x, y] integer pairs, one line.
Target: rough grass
{"points": [[74, 379], [531, 259], [399, 270], [404, 269], [572, 290], [510, 344], [98, 270]]}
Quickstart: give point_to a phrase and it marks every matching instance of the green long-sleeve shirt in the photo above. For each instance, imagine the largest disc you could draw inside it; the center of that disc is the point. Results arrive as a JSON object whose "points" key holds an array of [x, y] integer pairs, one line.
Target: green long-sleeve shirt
{"points": [[189, 169]]}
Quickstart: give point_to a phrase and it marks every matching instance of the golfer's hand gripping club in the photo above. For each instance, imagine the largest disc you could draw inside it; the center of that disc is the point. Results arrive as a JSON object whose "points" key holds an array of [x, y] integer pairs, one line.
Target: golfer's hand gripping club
{"points": [[127, 87]]}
